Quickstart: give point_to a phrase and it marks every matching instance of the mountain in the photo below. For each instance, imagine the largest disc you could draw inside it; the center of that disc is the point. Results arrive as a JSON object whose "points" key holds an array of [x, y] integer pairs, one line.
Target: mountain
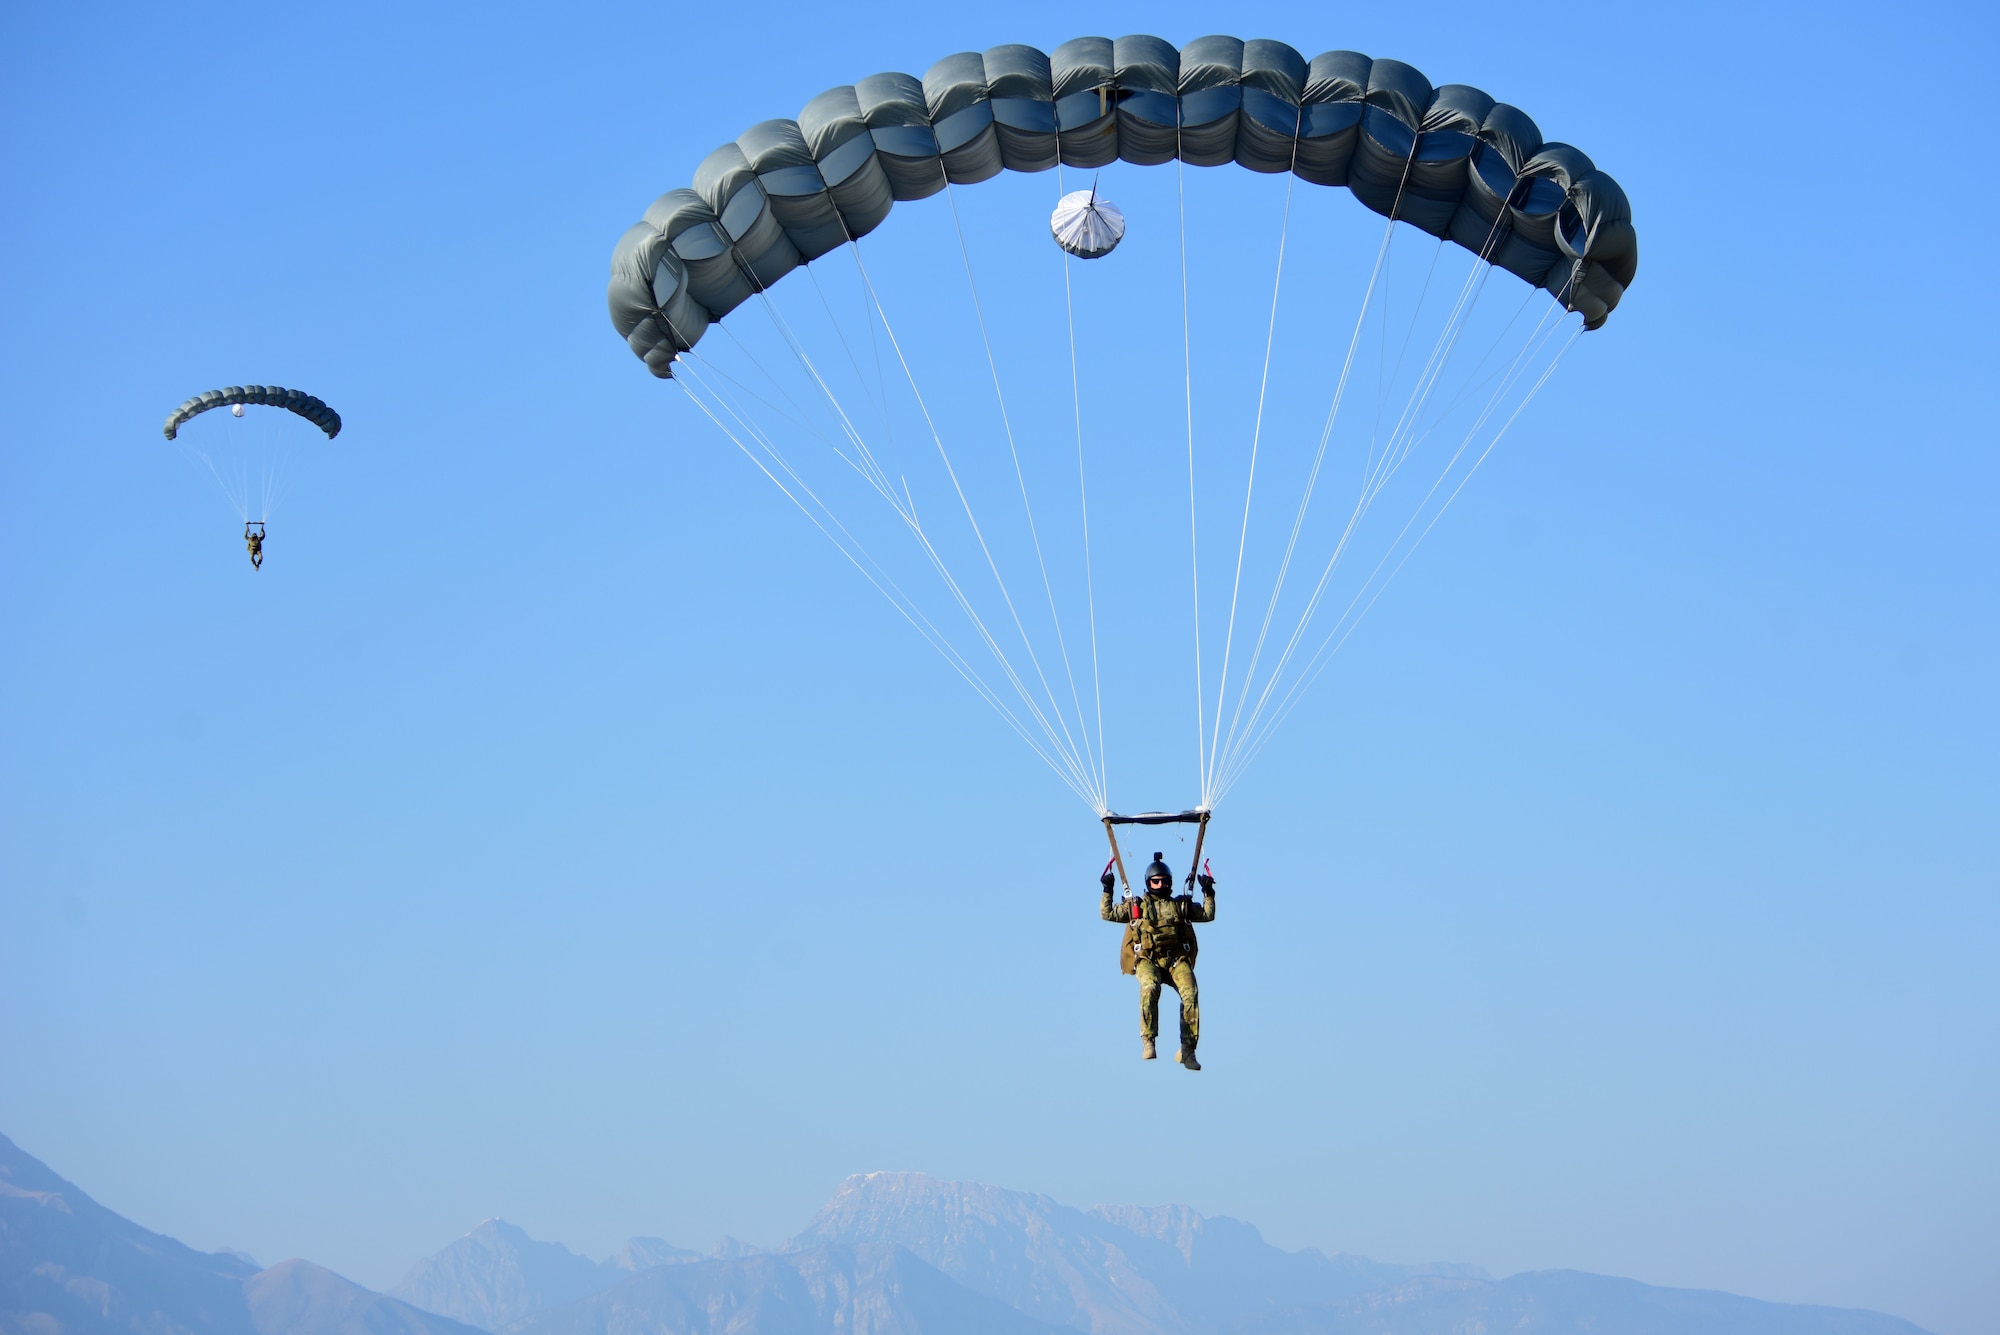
{"points": [[864, 1290], [1567, 1301], [889, 1254], [1111, 1271], [300, 1298], [496, 1275], [68, 1266], [644, 1253]]}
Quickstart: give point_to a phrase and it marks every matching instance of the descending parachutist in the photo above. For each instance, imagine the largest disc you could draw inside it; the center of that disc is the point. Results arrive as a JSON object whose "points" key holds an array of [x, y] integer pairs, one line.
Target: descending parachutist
{"points": [[236, 398], [1159, 946]]}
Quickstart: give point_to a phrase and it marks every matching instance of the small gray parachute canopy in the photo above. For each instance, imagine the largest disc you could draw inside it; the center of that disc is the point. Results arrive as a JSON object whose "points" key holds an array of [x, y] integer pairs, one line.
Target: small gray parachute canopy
{"points": [[292, 400], [1448, 159]]}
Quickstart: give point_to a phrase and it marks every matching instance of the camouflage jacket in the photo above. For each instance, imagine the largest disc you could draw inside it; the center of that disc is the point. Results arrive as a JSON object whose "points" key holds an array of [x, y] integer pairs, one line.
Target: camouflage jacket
{"points": [[1157, 927]]}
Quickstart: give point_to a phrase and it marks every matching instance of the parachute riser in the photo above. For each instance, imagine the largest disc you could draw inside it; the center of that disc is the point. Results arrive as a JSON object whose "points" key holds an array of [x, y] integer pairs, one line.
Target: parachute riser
{"points": [[1200, 833], [1117, 857]]}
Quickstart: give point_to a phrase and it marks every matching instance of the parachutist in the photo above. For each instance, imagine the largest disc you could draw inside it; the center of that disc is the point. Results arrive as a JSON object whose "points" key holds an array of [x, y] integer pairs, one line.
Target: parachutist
{"points": [[253, 538], [1160, 948]]}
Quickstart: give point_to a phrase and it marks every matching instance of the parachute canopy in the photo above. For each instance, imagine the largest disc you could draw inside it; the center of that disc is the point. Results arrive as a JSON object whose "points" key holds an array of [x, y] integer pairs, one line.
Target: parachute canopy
{"points": [[292, 400], [1086, 225], [1366, 417], [1448, 159]]}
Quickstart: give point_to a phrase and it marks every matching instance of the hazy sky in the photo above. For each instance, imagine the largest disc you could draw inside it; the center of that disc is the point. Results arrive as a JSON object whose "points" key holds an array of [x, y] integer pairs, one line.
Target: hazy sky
{"points": [[556, 829]]}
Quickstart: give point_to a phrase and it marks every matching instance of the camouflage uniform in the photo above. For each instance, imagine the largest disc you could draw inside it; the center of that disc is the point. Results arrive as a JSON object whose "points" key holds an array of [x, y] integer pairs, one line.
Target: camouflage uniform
{"points": [[1160, 947]]}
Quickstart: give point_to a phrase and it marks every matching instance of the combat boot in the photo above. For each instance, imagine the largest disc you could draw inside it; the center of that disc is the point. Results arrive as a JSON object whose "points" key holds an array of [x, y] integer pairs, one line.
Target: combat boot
{"points": [[1146, 1050], [1186, 1057]]}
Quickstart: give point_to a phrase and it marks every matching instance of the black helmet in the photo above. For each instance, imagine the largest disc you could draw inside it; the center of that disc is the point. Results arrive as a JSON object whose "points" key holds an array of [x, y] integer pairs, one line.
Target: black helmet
{"points": [[1158, 868]]}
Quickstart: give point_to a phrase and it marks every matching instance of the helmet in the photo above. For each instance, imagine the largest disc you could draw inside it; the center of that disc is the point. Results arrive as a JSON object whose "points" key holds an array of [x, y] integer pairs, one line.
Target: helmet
{"points": [[1158, 868]]}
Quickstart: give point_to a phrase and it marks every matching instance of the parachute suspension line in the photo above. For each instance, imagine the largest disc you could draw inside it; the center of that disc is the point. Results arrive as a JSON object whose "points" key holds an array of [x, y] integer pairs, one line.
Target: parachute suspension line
{"points": [[224, 458], [797, 417], [1330, 647], [907, 512], [203, 457], [869, 468], [894, 593], [1474, 382], [1530, 348], [1194, 551], [873, 472], [848, 548], [1454, 326], [1402, 437], [283, 470], [840, 332], [267, 462], [1402, 441], [1083, 502], [1375, 276], [233, 454], [1382, 354], [1027, 508], [246, 450], [1395, 452], [1070, 754], [1312, 474], [1250, 482], [1387, 375]]}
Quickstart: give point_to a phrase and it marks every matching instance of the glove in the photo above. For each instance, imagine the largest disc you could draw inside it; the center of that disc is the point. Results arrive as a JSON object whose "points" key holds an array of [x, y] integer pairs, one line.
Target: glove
{"points": [[1108, 881], [1207, 883]]}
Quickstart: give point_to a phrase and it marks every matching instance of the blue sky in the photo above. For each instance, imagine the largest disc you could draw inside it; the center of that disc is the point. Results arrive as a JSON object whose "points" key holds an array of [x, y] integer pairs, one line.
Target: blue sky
{"points": [[556, 829]]}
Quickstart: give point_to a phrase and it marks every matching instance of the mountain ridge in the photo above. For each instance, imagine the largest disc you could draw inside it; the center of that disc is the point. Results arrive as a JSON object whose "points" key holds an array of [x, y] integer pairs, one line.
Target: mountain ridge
{"points": [[888, 1254]]}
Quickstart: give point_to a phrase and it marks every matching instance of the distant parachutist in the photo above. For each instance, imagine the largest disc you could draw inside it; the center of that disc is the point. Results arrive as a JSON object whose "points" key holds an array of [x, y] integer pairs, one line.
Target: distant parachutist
{"points": [[253, 538], [236, 410]]}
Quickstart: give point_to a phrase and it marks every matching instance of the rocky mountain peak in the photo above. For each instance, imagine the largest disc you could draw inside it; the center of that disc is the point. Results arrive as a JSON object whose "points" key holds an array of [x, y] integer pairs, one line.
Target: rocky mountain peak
{"points": [[497, 1274]]}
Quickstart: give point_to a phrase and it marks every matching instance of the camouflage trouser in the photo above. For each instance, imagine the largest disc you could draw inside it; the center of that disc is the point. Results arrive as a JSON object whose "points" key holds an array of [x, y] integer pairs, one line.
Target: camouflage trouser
{"points": [[1180, 977]]}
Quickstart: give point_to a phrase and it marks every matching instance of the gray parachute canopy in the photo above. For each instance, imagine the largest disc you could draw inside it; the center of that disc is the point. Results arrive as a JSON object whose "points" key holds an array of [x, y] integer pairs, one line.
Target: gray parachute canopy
{"points": [[1447, 159], [305, 405]]}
